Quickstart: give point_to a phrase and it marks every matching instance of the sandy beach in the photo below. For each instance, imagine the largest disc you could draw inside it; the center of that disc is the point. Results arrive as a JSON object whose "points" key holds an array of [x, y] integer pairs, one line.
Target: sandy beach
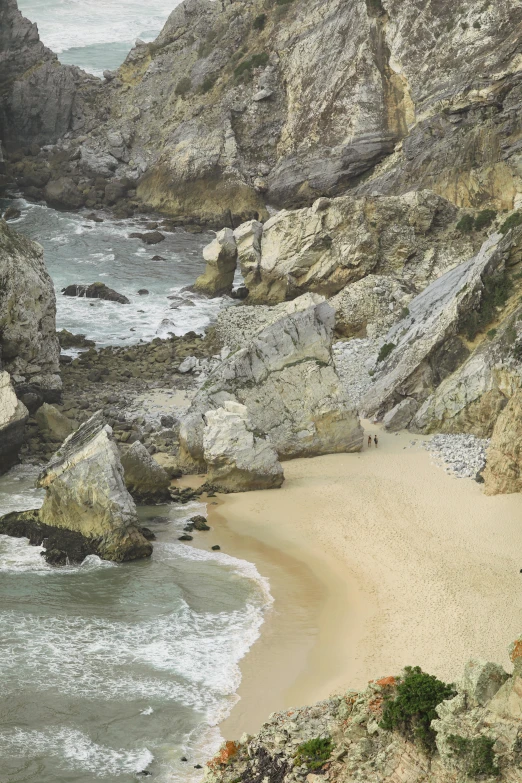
{"points": [[376, 560]]}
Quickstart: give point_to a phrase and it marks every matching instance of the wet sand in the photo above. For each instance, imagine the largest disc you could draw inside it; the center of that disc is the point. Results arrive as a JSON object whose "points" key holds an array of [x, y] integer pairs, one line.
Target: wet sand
{"points": [[376, 561]]}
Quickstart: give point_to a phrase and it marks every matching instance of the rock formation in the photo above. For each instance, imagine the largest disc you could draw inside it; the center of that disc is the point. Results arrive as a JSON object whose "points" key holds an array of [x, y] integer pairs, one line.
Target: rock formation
{"points": [[238, 459], [474, 736], [53, 423], [285, 377], [86, 500], [221, 256], [339, 241], [13, 416], [40, 100], [411, 363], [503, 472], [146, 481], [370, 306], [95, 291], [29, 348]]}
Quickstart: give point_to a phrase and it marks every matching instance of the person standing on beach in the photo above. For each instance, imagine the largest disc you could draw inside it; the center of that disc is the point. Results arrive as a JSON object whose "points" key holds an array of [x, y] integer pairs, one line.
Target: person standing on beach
{"points": [[375, 440], [369, 441]]}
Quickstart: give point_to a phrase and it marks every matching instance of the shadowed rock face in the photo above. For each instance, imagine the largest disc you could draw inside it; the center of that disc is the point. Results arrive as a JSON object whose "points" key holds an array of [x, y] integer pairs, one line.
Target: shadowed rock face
{"points": [[146, 481], [40, 99], [29, 346], [86, 494]]}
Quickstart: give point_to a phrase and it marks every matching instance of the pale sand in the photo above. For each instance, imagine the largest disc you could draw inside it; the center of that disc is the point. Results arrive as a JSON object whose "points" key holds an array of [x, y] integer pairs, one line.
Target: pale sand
{"points": [[376, 560]]}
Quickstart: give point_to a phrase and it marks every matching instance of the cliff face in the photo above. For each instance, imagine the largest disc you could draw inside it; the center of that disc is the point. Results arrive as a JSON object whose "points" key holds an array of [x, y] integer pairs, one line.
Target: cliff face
{"points": [[40, 99]]}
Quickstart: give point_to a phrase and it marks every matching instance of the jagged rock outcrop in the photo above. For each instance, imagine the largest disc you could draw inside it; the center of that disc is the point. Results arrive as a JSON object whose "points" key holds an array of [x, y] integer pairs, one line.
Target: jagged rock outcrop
{"points": [[95, 291], [221, 258], [146, 481], [477, 735], [339, 241], [86, 494], [236, 325], [29, 348], [285, 377], [424, 347], [13, 416], [503, 471], [40, 99], [238, 458]]}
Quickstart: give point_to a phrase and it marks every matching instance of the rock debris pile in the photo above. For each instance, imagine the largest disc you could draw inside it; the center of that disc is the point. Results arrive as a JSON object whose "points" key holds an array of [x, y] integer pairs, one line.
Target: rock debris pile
{"points": [[463, 456]]}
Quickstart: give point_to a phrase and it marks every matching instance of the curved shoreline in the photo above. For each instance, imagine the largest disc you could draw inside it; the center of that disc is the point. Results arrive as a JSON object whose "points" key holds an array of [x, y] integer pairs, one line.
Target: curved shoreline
{"points": [[400, 551]]}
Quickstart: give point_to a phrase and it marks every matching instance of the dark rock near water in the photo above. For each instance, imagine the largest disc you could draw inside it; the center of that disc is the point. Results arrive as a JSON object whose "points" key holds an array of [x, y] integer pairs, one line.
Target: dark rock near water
{"points": [[216, 548], [185, 538], [150, 237], [158, 258], [143, 292], [69, 340], [63, 193], [95, 291], [12, 213], [199, 523]]}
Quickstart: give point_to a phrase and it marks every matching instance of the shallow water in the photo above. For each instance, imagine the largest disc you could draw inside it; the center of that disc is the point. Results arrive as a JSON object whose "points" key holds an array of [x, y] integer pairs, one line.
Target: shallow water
{"points": [[96, 34], [80, 251], [110, 669]]}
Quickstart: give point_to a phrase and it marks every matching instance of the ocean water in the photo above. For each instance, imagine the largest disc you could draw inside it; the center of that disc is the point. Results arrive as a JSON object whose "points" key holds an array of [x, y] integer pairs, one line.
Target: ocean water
{"points": [[96, 34], [80, 251], [108, 670]]}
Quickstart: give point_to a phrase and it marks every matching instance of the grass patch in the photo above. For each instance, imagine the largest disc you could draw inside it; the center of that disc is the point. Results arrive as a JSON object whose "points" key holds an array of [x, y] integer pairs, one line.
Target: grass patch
{"points": [[484, 219], [385, 351], [245, 68], [314, 753], [208, 83], [413, 708], [478, 755], [512, 221], [496, 291], [183, 86]]}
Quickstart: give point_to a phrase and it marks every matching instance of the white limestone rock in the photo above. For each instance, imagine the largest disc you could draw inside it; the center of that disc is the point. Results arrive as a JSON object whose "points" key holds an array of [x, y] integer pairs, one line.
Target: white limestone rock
{"points": [[238, 459], [370, 306], [399, 417], [13, 416]]}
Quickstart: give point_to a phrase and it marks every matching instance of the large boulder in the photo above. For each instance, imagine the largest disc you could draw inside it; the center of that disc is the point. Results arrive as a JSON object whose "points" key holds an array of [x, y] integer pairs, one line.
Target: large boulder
{"points": [[52, 422], [29, 346], [63, 193], [248, 240], [419, 343], [146, 481], [86, 494], [238, 459], [221, 258], [503, 471], [370, 306], [13, 416], [339, 241], [286, 378]]}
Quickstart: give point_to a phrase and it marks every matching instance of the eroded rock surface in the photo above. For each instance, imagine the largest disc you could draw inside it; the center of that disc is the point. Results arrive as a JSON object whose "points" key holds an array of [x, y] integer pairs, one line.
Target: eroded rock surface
{"points": [[503, 471], [146, 481], [238, 458], [86, 494], [29, 348], [221, 258], [285, 377]]}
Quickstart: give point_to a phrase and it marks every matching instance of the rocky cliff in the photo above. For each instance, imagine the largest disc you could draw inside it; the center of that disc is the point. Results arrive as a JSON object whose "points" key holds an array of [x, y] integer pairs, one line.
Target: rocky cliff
{"points": [[237, 105], [409, 728]]}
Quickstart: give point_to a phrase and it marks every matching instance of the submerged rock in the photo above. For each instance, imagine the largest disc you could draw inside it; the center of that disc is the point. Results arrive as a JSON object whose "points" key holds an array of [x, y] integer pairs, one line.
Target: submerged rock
{"points": [[238, 459], [13, 416], [146, 481], [95, 291], [221, 258], [86, 494]]}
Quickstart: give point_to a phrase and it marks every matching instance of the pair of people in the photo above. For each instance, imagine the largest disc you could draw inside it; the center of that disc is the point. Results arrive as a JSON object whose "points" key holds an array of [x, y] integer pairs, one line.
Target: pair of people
{"points": [[375, 440]]}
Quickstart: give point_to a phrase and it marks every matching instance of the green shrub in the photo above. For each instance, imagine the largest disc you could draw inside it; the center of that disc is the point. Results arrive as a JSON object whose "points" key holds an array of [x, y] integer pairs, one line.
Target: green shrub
{"points": [[464, 25], [385, 351], [283, 2], [208, 82], [314, 753], [465, 224], [492, 333], [484, 219], [495, 294], [183, 86], [512, 221], [259, 22], [478, 755], [476, 24], [405, 312], [413, 708]]}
